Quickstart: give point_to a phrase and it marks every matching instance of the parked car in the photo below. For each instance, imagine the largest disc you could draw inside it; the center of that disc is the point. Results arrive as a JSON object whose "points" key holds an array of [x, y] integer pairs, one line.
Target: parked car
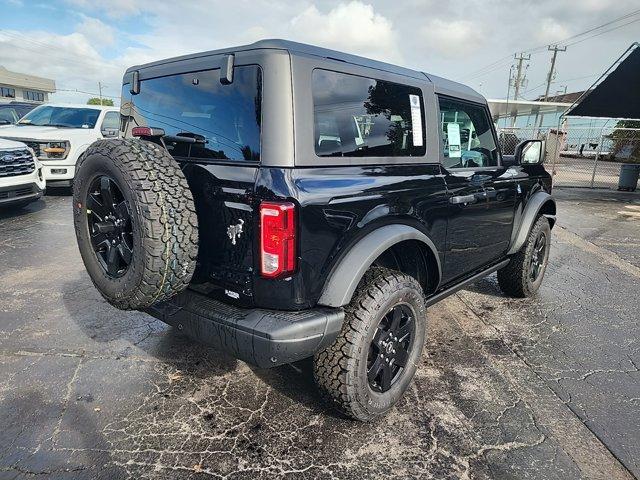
{"points": [[11, 112], [21, 179], [281, 201], [60, 134]]}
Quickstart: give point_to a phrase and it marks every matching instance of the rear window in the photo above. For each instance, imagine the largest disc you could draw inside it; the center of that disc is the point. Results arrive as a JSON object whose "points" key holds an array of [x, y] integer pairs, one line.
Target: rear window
{"points": [[361, 117], [224, 119]]}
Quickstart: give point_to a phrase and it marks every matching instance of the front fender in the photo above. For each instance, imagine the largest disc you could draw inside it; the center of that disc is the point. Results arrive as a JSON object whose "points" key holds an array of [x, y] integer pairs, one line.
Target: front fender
{"points": [[344, 279], [539, 202]]}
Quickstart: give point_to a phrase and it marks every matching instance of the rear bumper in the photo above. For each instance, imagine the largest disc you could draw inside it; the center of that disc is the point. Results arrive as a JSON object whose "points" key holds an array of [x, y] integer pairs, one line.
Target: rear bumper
{"points": [[265, 338], [20, 193]]}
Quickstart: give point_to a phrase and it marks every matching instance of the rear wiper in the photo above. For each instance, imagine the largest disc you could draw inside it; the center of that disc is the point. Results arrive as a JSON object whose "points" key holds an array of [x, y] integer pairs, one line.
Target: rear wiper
{"points": [[182, 137], [185, 137]]}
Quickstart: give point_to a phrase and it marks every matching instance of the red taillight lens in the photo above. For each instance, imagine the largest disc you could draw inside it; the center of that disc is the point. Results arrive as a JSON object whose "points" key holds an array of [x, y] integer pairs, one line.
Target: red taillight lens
{"points": [[277, 239], [147, 132], [141, 132]]}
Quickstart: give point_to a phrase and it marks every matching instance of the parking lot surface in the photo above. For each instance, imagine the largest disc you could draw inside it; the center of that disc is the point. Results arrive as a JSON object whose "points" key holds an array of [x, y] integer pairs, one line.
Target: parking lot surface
{"points": [[541, 388]]}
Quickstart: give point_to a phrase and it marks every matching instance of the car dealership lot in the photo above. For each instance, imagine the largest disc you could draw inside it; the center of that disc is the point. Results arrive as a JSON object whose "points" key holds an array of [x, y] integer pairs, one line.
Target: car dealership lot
{"points": [[543, 388]]}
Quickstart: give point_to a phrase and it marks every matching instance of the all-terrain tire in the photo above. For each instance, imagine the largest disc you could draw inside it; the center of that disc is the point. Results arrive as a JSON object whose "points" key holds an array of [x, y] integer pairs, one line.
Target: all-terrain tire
{"points": [[515, 278], [340, 370], [162, 216]]}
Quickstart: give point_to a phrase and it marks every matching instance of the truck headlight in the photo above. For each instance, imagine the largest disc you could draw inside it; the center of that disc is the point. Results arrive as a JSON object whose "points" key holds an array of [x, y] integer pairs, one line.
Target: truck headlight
{"points": [[58, 150]]}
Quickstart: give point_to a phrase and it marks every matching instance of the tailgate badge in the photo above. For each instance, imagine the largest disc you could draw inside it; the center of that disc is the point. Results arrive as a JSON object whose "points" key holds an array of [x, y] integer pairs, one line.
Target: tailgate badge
{"points": [[234, 231]]}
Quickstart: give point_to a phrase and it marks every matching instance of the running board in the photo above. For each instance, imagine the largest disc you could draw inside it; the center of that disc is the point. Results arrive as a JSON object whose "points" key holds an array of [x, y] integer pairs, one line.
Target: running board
{"points": [[474, 278]]}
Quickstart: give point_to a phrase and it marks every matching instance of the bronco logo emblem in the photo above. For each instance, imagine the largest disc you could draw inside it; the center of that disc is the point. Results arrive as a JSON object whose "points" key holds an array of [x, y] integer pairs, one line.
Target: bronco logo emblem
{"points": [[234, 231]]}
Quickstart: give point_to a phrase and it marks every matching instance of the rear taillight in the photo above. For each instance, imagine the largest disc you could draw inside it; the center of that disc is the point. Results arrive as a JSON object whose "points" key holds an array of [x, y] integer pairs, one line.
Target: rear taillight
{"points": [[277, 239], [147, 132]]}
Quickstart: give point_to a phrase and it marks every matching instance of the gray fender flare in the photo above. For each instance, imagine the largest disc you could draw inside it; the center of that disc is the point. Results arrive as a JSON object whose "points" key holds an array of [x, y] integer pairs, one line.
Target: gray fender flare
{"points": [[531, 212], [344, 278]]}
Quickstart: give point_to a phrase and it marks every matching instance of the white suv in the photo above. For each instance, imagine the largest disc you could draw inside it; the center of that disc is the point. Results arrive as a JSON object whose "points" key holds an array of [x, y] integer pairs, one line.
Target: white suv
{"points": [[60, 133], [21, 179]]}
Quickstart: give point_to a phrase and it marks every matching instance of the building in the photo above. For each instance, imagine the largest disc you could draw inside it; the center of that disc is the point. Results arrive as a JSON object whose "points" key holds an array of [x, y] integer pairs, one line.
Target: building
{"points": [[531, 113], [24, 88]]}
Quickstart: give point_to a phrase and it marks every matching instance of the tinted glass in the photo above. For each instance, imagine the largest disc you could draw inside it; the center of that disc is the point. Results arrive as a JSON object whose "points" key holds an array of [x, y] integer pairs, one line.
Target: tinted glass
{"points": [[362, 117], [111, 121], [8, 115], [468, 140], [224, 119], [61, 117]]}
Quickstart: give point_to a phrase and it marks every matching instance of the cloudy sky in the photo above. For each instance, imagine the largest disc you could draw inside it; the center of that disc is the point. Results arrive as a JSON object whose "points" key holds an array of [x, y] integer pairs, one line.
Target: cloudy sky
{"points": [[81, 42]]}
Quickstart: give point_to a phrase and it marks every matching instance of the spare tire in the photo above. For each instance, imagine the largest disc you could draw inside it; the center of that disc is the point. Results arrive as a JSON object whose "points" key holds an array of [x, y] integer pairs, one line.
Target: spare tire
{"points": [[135, 222]]}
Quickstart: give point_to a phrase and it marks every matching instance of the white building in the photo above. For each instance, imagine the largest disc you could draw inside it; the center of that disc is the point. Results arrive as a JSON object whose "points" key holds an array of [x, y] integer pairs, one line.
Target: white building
{"points": [[24, 88]]}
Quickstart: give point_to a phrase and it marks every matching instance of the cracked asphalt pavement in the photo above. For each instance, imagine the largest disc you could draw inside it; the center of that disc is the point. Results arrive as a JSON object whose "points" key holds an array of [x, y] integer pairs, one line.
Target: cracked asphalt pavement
{"points": [[542, 388]]}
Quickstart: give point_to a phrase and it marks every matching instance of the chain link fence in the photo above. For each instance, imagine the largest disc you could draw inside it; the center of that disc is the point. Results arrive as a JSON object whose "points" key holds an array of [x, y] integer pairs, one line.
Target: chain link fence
{"points": [[580, 156]]}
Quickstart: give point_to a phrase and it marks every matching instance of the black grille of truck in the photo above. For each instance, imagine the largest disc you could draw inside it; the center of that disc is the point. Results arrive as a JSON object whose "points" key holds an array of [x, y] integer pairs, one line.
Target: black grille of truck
{"points": [[16, 162]]}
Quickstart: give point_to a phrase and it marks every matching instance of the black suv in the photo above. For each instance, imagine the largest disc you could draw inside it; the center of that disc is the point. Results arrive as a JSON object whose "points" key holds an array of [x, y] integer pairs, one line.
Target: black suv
{"points": [[282, 201]]}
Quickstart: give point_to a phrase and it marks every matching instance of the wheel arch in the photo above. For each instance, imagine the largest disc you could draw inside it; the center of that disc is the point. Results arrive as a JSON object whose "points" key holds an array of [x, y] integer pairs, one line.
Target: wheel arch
{"points": [[541, 203], [344, 278]]}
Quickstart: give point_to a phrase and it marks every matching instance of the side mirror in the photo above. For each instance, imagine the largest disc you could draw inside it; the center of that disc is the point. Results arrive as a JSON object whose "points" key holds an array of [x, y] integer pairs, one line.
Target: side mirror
{"points": [[109, 132], [529, 152]]}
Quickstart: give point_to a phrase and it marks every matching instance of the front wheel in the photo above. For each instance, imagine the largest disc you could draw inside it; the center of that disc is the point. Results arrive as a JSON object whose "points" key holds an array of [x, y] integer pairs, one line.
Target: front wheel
{"points": [[373, 360], [523, 275]]}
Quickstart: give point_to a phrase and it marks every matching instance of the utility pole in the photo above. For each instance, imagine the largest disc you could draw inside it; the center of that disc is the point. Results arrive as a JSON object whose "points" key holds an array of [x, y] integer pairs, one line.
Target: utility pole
{"points": [[519, 74], [506, 108], [519, 80], [555, 49], [100, 91]]}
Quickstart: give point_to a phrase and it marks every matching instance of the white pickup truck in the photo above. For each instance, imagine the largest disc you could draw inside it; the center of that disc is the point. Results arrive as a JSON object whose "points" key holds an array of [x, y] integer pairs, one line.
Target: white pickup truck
{"points": [[60, 133], [21, 179]]}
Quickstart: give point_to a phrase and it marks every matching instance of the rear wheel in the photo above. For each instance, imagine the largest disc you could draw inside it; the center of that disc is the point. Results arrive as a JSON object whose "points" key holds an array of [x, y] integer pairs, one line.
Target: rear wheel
{"points": [[135, 222], [373, 360], [523, 274]]}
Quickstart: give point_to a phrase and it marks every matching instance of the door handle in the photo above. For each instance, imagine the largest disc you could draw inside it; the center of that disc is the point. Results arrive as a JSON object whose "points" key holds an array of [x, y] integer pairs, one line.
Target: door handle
{"points": [[463, 199]]}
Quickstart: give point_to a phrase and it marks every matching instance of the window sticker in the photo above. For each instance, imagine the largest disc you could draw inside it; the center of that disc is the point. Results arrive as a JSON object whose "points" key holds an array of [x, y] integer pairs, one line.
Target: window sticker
{"points": [[453, 137], [416, 120]]}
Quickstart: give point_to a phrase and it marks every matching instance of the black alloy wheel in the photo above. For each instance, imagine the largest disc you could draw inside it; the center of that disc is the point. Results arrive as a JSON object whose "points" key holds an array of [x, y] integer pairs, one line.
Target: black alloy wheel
{"points": [[110, 226], [389, 351], [538, 256]]}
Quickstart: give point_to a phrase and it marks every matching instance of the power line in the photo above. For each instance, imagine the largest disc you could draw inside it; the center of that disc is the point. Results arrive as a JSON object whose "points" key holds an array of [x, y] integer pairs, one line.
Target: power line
{"points": [[75, 90], [37, 46], [501, 62], [603, 32]]}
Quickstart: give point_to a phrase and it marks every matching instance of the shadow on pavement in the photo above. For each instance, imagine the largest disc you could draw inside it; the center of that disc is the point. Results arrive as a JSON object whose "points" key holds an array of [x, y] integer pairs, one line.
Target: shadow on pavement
{"points": [[122, 332], [9, 211], [295, 381]]}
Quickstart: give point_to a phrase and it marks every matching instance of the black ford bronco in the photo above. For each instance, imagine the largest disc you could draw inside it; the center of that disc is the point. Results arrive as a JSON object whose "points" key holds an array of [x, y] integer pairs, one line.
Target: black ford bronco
{"points": [[281, 201]]}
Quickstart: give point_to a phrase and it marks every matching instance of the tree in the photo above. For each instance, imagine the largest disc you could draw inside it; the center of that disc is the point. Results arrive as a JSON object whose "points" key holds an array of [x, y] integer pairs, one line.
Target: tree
{"points": [[107, 102]]}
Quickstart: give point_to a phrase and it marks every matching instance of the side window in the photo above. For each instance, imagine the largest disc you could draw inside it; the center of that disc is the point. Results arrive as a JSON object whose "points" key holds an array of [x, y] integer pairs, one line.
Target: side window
{"points": [[362, 117], [111, 121], [467, 136], [8, 115]]}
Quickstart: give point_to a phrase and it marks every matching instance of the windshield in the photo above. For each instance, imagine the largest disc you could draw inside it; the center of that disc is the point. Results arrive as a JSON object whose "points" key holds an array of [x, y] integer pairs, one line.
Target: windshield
{"points": [[66, 117], [223, 120]]}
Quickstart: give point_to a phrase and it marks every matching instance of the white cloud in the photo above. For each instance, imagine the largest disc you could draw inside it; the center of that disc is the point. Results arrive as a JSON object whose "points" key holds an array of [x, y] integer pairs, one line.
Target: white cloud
{"points": [[71, 60], [450, 38], [551, 30], [353, 27], [112, 8], [97, 32], [457, 38]]}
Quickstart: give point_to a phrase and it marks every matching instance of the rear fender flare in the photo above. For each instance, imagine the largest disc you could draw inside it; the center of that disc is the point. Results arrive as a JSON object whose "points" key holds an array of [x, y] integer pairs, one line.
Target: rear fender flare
{"points": [[531, 212], [344, 278]]}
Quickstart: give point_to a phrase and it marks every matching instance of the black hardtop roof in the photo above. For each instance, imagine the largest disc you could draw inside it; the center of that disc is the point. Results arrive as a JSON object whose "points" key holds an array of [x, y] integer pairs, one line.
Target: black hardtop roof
{"points": [[441, 85]]}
